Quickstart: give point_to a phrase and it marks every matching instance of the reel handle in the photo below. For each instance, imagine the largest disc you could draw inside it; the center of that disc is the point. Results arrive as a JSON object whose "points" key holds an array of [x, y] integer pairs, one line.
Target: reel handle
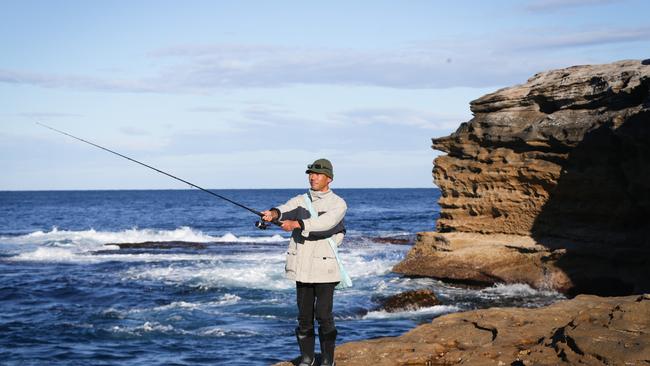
{"points": [[263, 225]]}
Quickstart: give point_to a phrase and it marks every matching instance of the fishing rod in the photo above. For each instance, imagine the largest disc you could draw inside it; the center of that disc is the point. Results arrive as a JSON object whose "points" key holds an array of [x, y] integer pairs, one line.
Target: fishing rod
{"points": [[259, 224]]}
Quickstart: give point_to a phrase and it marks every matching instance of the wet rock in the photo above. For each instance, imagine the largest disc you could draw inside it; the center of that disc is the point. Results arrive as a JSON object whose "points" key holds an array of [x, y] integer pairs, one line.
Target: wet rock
{"points": [[392, 240], [160, 245], [550, 263], [410, 300], [587, 330]]}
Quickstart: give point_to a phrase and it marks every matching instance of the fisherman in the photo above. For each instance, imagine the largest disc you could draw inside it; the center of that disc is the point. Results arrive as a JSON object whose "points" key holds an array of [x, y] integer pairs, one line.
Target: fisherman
{"points": [[312, 258]]}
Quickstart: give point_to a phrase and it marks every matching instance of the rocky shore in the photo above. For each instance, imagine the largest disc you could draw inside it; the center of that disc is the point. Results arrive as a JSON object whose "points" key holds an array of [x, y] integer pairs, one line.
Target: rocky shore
{"points": [[548, 185], [587, 330]]}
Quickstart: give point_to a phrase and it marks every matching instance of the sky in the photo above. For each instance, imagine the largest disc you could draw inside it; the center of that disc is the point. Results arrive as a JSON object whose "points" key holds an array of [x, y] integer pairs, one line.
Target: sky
{"points": [[245, 94]]}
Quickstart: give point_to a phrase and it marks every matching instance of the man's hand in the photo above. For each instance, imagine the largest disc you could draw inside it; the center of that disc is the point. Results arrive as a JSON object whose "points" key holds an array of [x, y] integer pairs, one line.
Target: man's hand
{"points": [[269, 215], [290, 225]]}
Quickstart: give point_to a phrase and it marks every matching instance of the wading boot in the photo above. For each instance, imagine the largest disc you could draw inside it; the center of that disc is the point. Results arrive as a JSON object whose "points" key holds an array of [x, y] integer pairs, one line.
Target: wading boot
{"points": [[306, 344], [327, 345]]}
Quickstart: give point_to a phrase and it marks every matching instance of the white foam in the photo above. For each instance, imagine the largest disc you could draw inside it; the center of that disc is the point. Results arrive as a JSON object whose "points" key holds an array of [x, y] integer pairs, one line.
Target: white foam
{"points": [[213, 332], [226, 299], [152, 326], [220, 332], [53, 254], [95, 238], [263, 271], [515, 290], [76, 246], [259, 270], [177, 305], [376, 260], [46, 254], [147, 327], [426, 311]]}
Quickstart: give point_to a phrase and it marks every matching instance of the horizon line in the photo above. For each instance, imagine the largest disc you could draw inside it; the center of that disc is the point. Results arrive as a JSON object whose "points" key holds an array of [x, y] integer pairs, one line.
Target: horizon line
{"points": [[192, 189]]}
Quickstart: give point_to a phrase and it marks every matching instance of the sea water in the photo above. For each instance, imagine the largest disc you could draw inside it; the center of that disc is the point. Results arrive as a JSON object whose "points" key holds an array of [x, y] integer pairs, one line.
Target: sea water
{"points": [[70, 296]]}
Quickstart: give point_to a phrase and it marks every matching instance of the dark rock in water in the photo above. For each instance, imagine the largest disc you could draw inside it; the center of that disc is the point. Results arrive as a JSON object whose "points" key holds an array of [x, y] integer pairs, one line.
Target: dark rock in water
{"points": [[392, 240], [160, 245], [548, 185], [410, 300]]}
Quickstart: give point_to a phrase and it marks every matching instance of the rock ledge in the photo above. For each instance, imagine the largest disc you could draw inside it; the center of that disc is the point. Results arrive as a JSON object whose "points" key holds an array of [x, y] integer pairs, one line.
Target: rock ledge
{"points": [[587, 330]]}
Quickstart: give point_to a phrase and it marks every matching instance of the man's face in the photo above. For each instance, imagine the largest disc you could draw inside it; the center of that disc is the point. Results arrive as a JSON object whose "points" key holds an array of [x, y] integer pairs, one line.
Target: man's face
{"points": [[319, 182]]}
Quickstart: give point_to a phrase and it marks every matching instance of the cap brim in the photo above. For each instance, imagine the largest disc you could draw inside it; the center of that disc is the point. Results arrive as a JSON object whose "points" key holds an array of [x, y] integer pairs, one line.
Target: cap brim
{"points": [[327, 173]]}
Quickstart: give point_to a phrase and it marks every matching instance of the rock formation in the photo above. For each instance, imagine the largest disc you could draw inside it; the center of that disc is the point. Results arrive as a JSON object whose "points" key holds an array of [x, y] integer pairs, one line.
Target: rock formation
{"points": [[410, 300], [587, 330], [549, 185]]}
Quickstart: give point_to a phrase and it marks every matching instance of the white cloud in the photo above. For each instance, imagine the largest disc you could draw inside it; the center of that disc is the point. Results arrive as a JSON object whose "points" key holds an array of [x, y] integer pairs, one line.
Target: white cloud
{"points": [[557, 5], [400, 117], [73, 81], [47, 115], [208, 109], [545, 41], [481, 61]]}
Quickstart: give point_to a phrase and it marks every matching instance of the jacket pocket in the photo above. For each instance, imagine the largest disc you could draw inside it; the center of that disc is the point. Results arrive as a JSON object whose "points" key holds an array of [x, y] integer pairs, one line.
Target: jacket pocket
{"points": [[324, 262], [292, 257]]}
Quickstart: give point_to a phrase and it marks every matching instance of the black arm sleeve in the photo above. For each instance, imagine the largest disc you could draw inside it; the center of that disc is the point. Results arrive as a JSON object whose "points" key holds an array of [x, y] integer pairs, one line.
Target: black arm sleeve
{"points": [[317, 235]]}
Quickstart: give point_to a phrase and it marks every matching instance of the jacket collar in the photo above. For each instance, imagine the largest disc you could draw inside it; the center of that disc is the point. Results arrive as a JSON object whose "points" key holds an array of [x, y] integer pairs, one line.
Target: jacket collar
{"points": [[316, 195]]}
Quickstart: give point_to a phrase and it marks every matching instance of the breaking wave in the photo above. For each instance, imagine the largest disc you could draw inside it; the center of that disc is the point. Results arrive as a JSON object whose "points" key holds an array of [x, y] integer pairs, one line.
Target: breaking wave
{"points": [[134, 235], [426, 311], [86, 246]]}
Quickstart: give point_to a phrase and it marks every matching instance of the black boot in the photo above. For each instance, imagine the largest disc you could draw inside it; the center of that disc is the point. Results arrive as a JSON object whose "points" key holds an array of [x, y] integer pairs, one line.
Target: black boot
{"points": [[306, 344], [327, 345]]}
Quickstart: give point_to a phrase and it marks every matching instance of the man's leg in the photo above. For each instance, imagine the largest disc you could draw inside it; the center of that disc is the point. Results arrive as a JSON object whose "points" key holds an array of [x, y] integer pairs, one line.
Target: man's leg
{"points": [[326, 328], [305, 330]]}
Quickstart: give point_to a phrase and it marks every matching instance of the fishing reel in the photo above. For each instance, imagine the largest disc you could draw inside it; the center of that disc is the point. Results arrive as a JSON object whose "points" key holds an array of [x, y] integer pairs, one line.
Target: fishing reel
{"points": [[262, 225]]}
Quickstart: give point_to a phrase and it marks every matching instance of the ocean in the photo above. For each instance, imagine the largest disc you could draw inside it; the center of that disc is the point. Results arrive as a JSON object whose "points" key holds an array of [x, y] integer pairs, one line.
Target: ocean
{"points": [[70, 296]]}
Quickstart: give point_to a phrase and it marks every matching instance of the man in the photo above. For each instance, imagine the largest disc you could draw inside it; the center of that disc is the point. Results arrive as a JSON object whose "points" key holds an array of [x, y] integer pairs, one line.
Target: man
{"points": [[311, 261]]}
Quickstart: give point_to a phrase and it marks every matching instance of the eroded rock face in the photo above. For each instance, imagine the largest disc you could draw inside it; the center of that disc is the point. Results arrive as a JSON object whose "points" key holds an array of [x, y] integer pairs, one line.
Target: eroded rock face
{"points": [[587, 330], [549, 185], [566, 154]]}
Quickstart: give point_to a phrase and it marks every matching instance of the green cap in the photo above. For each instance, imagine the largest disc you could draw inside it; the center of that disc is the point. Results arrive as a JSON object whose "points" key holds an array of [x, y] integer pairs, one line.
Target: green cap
{"points": [[322, 166]]}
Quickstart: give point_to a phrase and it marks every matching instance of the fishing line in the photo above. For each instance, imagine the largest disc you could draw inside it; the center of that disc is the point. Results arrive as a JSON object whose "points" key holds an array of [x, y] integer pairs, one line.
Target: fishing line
{"points": [[259, 224]]}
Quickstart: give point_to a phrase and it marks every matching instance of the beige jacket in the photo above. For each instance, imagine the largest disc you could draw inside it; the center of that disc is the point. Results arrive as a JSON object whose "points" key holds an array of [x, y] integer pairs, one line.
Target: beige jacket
{"points": [[309, 256]]}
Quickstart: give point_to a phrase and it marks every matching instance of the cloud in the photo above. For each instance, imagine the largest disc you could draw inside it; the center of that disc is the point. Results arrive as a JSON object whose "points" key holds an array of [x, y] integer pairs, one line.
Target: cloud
{"points": [[485, 61], [74, 81], [400, 117], [47, 115], [556, 5], [580, 39], [206, 109]]}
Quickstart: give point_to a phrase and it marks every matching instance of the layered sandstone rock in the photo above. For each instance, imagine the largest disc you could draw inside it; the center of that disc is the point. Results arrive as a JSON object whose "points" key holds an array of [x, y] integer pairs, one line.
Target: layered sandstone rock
{"points": [[559, 264], [587, 330], [561, 162], [567, 154]]}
